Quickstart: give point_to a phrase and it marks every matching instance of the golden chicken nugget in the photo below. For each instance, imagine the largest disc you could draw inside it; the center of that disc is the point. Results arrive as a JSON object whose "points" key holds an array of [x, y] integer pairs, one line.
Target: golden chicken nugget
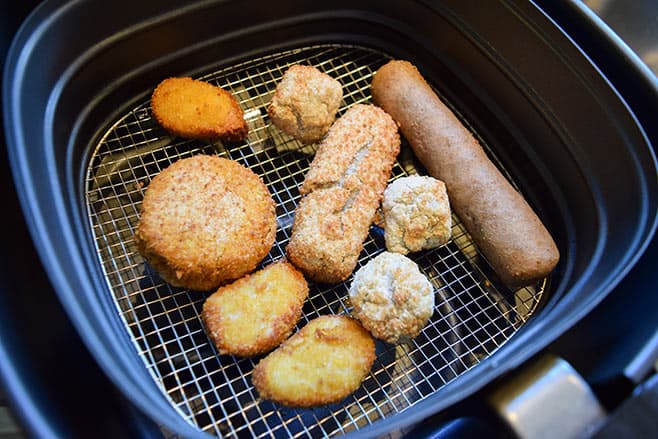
{"points": [[321, 364], [254, 314], [198, 110]]}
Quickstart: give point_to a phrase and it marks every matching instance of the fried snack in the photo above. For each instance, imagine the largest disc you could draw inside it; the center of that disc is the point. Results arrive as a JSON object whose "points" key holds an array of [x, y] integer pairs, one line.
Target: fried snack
{"points": [[416, 214], [305, 103], [321, 364], [341, 193], [198, 110], [392, 298], [205, 221], [502, 224], [257, 312]]}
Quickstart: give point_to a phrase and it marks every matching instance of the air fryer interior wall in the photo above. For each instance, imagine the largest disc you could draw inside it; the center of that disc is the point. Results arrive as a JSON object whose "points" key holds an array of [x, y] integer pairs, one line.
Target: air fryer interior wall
{"points": [[552, 120], [474, 315]]}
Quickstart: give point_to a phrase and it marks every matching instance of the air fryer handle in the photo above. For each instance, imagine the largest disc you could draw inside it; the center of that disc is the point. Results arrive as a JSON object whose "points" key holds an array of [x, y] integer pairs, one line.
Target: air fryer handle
{"points": [[545, 398], [548, 398]]}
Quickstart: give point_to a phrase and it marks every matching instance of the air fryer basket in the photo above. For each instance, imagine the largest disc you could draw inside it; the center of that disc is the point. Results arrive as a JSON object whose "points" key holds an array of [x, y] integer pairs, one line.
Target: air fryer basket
{"points": [[214, 392], [83, 147]]}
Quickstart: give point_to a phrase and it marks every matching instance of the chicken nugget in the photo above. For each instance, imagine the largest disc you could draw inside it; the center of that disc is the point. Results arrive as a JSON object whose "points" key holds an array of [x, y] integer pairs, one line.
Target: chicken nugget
{"points": [[321, 364], [198, 110], [257, 312]]}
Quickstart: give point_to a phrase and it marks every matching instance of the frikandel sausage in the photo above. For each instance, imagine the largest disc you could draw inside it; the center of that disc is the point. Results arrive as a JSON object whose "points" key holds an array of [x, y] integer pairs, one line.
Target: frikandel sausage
{"points": [[502, 224]]}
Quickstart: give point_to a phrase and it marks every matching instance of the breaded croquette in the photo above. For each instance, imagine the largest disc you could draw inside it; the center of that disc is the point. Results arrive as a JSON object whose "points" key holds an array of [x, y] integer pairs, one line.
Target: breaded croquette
{"points": [[321, 364], [198, 110], [254, 314], [205, 221], [341, 193]]}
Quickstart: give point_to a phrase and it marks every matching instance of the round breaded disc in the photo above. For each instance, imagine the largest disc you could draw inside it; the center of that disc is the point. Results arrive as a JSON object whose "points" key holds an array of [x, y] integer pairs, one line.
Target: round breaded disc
{"points": [[205, 220]]}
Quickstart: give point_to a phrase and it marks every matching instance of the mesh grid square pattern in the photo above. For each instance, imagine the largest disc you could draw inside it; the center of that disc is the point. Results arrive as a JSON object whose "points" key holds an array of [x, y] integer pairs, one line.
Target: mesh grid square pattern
{"points": [[474, 315]]}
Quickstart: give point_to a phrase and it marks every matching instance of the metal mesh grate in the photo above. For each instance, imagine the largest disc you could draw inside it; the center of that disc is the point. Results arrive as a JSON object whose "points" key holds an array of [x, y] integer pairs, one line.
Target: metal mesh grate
{"points": [[473, 316]]}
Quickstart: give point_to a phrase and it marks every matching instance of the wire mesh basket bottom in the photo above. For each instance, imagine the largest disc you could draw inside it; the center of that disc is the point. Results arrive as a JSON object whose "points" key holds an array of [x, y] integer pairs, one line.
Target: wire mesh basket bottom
{"points": [[471, 320]]}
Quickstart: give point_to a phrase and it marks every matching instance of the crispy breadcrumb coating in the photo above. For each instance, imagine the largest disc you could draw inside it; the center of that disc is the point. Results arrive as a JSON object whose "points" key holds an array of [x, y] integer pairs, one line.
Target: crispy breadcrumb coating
{"points": [[204, 221], [198, 110], [257, 312], [321, 364], [416, 214], [392, 298], [341, 193], [305, 103]]}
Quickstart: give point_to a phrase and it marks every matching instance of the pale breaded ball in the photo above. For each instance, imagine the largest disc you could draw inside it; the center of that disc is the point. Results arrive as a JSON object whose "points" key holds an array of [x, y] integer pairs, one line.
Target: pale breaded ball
{"points": [[321, 364], [416, 214], [392, 298], [305, 103], [195, 109], [257, 312], [204, 221]]}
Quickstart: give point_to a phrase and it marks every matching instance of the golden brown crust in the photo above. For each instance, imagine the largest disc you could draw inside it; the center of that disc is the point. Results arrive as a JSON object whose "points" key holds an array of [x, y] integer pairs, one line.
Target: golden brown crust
{"points": [[502, 224], [341, 193], [254, 314], [305, 103], [198, 110], [321, 364], [205, 221]]}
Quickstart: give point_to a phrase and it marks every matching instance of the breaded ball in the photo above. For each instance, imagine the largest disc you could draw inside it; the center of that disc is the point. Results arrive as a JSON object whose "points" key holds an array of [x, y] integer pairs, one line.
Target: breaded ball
{"points": [[305, 103], [204, 221], [392, 298], [257, 312], [416, 214], [321, 364], [198, 110]]}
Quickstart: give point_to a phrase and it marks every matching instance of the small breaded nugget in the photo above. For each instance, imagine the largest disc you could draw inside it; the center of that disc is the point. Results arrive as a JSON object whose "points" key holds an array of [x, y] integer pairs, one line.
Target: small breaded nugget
{"points": [[198, 110], [205, 221], [305, 103], [341, 193], [321, 364], [257, 312], [417, 214]]}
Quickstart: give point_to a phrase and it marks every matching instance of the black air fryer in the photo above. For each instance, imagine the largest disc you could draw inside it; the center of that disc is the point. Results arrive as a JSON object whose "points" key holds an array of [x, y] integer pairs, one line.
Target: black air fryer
{"points": [[94, 340]]}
